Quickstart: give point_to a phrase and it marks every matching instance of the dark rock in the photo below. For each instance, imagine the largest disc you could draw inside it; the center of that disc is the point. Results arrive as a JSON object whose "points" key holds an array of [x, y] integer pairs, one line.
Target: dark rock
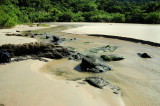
{"points": [[14, 34], [47, 37], [32, 36], [18, 31], [4, 57], [111, 57], [89, 64], [144, 55], [55, 38], [36, 34], [96, 82]]}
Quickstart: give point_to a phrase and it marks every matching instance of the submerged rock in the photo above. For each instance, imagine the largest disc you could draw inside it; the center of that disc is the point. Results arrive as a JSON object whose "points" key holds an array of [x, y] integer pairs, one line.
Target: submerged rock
{"points": [[107, 48], [144, 55], [89, 64], [111, 57], [96, 82]]}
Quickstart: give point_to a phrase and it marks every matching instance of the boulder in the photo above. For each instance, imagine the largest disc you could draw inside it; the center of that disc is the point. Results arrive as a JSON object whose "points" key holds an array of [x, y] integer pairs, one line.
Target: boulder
{"points": [[89, 64], [144, 55], [111, 57], [96, 82], [4, 57]]}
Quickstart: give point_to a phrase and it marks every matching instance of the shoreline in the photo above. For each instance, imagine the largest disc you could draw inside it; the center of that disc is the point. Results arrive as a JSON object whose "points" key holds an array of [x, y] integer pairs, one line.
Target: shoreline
{"points": [[25, 86], [141, 32], [17, 39]]}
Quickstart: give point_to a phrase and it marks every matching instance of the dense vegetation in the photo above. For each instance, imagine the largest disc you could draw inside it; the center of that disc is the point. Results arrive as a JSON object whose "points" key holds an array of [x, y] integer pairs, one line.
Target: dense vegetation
{"points": [[131, 11]]}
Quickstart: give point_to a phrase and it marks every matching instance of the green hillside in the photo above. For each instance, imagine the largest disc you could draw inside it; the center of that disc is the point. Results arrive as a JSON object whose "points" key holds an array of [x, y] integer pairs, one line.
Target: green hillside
{"points": [[122, 11]]}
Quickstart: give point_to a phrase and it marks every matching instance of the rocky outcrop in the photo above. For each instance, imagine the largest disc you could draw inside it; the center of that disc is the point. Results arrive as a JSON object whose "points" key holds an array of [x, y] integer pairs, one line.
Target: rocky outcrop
{"points": [[89, 64], [111, 57], [144, 55], [36, 49], [96, 82]]}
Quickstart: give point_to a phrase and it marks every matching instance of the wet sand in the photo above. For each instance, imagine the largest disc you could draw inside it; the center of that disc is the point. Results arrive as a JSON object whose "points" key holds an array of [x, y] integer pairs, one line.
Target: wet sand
{"points": [[137, 78], [21, 84]]}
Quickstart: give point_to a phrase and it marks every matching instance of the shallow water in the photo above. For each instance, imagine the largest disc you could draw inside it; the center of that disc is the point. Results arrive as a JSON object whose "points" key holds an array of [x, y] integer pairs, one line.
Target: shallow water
{"points": [[137, 78]]}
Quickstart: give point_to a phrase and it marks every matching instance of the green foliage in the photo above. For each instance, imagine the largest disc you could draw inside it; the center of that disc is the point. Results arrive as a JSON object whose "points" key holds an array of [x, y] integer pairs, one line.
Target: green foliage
{"points": [[153, 18], [10, 22], [132, 11], [117, 17], [71, 17]]}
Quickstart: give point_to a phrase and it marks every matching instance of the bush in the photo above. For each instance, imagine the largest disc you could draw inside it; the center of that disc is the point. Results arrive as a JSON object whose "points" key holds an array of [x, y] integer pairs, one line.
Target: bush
{"points": [[152, 18], [71, 17], [97, 16], [117, 17], [10, 23]]}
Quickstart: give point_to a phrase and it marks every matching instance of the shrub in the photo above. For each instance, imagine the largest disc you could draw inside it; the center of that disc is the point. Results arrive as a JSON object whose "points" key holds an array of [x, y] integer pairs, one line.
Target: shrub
{"points": [[10, 22], [117, 17], [152, 18]]}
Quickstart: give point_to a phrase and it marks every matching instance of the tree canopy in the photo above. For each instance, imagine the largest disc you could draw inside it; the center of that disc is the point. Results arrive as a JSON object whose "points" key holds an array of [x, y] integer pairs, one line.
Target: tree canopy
{"points": [[131, 11]]}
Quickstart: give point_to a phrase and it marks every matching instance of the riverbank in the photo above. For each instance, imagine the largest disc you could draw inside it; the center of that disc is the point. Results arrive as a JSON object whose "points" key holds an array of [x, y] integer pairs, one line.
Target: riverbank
{"points": [[146, 32], [22, 83], [16, 30], [46, 84]]}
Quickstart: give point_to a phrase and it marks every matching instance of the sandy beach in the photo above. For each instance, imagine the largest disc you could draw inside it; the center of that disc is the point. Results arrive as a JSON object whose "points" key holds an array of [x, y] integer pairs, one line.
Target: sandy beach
{"points": [[36, 83], [22, 83], [18, 40], [145, 32]]}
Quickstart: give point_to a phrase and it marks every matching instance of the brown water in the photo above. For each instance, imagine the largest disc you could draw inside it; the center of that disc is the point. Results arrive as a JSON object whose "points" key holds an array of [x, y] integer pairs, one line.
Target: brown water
{"points": [[138, 79]]}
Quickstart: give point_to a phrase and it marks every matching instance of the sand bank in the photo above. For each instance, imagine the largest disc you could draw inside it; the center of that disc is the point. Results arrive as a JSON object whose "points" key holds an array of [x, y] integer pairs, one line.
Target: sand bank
{"points": [[138, 31], [22, 85], [16, 39]]}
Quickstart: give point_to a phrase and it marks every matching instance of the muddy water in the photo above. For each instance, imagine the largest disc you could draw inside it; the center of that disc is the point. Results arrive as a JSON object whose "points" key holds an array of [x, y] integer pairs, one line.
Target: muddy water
{"points": [[138, 79]]}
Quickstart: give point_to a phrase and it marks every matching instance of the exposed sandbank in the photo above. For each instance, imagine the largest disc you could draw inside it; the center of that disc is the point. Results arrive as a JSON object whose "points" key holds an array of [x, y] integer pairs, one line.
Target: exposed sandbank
{"points": [[145, 32], [16, 39]]}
